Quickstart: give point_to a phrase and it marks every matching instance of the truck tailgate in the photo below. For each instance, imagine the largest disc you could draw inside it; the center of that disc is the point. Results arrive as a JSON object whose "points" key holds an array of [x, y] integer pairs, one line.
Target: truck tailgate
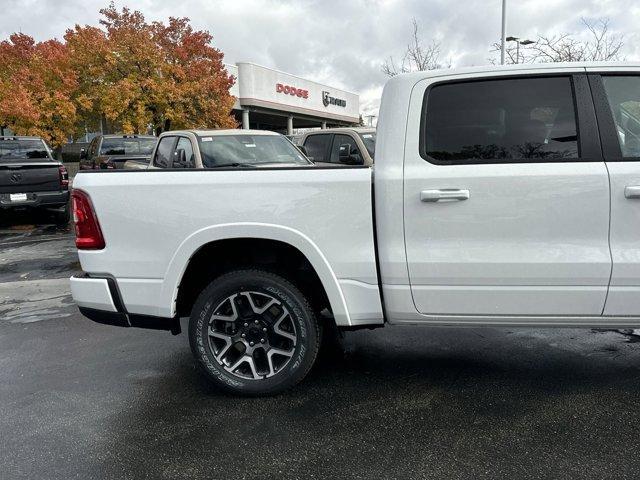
{"points": [[29, 177]]}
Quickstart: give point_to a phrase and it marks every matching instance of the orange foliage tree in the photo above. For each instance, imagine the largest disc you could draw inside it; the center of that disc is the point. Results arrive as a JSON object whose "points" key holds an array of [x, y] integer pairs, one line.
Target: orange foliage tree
{"points": [[137, 74], [126, 75], [36, 86]]}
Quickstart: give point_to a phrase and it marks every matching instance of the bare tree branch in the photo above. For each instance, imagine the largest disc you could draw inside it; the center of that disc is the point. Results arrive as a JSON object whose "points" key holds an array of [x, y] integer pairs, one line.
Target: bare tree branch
{"points": [[602, 45], [417, 57]]}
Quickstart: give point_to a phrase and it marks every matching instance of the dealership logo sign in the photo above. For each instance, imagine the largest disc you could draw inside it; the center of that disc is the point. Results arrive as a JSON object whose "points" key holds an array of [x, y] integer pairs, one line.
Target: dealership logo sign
{"points": [[327, 100], [293, 91]]}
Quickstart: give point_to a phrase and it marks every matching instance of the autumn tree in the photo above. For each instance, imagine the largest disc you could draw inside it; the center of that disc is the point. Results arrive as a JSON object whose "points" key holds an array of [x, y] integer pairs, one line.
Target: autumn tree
{"points": [[133, 74], [36, 85]]}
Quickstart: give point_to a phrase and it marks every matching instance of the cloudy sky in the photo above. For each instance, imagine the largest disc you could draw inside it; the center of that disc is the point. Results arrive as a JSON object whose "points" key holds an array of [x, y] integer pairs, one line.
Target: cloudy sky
{"points": [[341, 42]]}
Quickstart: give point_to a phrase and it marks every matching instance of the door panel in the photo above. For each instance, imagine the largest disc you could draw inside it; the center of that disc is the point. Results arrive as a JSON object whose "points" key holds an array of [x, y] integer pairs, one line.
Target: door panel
{"points": [[522, 224], [619, 119]]}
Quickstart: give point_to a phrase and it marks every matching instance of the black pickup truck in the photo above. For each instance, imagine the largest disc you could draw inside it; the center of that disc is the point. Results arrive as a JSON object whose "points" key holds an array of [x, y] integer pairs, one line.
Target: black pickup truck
{"points": [[112, 151], [31, 178]]}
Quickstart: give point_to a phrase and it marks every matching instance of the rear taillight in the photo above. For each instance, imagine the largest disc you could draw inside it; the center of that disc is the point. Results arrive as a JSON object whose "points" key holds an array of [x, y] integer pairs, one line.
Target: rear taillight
{"points": [[64, 177], [88, 233]]}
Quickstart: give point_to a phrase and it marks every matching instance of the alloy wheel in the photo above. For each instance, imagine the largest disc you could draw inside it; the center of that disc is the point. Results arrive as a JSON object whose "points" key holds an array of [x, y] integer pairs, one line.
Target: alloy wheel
{"points": [[252, 335]]}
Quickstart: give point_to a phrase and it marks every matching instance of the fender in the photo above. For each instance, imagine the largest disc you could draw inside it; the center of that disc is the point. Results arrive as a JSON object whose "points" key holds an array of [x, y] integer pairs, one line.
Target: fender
{"points": [[179, 261]]}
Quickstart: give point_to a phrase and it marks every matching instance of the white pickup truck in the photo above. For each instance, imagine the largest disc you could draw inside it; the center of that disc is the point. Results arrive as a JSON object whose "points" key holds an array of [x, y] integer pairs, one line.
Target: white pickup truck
{"points": [[499, 196]]}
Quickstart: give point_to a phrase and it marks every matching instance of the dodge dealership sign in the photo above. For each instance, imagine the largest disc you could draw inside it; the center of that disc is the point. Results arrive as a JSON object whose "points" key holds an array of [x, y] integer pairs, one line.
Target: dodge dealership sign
{"points": [[289, 90], [279, 92]]}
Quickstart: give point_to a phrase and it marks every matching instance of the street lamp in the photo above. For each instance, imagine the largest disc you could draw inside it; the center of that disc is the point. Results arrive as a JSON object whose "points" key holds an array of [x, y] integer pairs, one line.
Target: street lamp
{"points": [[518, 43]]}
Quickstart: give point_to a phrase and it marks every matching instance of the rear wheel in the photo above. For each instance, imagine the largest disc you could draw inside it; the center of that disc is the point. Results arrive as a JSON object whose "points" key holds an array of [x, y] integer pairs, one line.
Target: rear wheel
{"points": [[254, 333]]}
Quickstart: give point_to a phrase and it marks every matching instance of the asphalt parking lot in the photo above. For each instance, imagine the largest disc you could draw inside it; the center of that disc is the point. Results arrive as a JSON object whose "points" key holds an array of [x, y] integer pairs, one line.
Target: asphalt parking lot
{"points": [[82, 400]]}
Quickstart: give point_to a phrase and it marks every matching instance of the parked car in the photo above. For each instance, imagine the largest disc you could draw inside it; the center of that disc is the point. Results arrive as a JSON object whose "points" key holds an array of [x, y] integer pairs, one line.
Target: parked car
{"points": [[31, 178], [225, 149], [500, 196], [112, 151], [340, 146]]}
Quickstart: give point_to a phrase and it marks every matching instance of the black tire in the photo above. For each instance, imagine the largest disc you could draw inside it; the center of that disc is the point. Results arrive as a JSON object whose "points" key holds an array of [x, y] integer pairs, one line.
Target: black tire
{"points": [[63, 216], [302, 324]]}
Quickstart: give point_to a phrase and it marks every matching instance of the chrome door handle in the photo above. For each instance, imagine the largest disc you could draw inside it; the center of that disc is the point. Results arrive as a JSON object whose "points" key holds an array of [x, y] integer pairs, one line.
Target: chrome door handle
{"points": [[632, 192], [444, 195]]}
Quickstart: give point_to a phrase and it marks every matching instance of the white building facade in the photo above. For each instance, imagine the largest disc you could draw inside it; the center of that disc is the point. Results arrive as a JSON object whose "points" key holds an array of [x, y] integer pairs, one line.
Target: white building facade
{"points": [[268, 99]]}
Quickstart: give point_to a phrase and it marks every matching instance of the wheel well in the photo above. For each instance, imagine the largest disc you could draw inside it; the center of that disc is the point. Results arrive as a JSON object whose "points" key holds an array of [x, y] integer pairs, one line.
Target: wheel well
{"points": [[222, 256]]}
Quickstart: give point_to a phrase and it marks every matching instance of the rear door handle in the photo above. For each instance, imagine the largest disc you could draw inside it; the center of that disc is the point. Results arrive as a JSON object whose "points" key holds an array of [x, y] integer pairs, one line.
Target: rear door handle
{"points": [[632, 192], [444, 195]]}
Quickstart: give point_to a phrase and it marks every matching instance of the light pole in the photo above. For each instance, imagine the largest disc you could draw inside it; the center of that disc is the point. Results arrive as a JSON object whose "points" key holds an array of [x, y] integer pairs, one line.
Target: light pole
{"points": [[504, 31], [518, 43]]}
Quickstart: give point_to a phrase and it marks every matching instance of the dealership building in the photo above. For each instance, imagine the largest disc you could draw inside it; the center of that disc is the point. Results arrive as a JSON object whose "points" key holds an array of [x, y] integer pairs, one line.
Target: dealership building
{"points": [[267, 99]]}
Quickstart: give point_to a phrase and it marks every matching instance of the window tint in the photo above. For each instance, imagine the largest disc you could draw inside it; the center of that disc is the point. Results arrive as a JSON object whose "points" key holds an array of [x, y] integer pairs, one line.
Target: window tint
{"points": [[624, 98], [317, 147], [127, 146], [339, 141], [190, 161], [23, 149], [163, 153], [501, 120]]}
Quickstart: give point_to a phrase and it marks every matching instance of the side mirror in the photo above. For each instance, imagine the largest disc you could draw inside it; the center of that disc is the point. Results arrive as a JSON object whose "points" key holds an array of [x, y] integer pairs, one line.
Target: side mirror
{"points": [[348, 156], [83, 154]]}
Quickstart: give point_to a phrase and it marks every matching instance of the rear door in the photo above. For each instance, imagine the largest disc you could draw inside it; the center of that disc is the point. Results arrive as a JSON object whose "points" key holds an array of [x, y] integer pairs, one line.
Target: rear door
{"points": [[506, 198], [617, 95]]}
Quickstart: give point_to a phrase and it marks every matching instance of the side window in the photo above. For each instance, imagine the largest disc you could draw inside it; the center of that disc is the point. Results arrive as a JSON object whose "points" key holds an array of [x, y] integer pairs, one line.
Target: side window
{"points": [[623, 93], [162, 158], [183, 155], [500, 121], [317, 147], [340, 143]]}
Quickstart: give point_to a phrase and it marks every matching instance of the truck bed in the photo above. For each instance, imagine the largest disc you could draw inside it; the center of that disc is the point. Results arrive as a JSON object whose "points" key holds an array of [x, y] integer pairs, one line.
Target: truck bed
{"points": [[153, 222]]}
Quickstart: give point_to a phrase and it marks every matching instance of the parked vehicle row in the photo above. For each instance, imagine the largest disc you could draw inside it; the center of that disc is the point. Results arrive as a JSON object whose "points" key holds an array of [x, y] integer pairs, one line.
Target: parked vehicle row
{"points": [[30, 178]]}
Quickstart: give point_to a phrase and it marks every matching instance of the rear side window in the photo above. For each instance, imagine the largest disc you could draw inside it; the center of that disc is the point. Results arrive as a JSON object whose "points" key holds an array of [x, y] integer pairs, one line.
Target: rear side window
{"points": [[162, 158], [624, 99], [317, 147], [498, 121], [127, 146]]}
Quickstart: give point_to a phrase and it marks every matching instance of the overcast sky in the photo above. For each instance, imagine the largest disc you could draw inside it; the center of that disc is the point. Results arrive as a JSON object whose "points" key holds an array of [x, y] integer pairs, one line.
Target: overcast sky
{"points": [[342, 43]]}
